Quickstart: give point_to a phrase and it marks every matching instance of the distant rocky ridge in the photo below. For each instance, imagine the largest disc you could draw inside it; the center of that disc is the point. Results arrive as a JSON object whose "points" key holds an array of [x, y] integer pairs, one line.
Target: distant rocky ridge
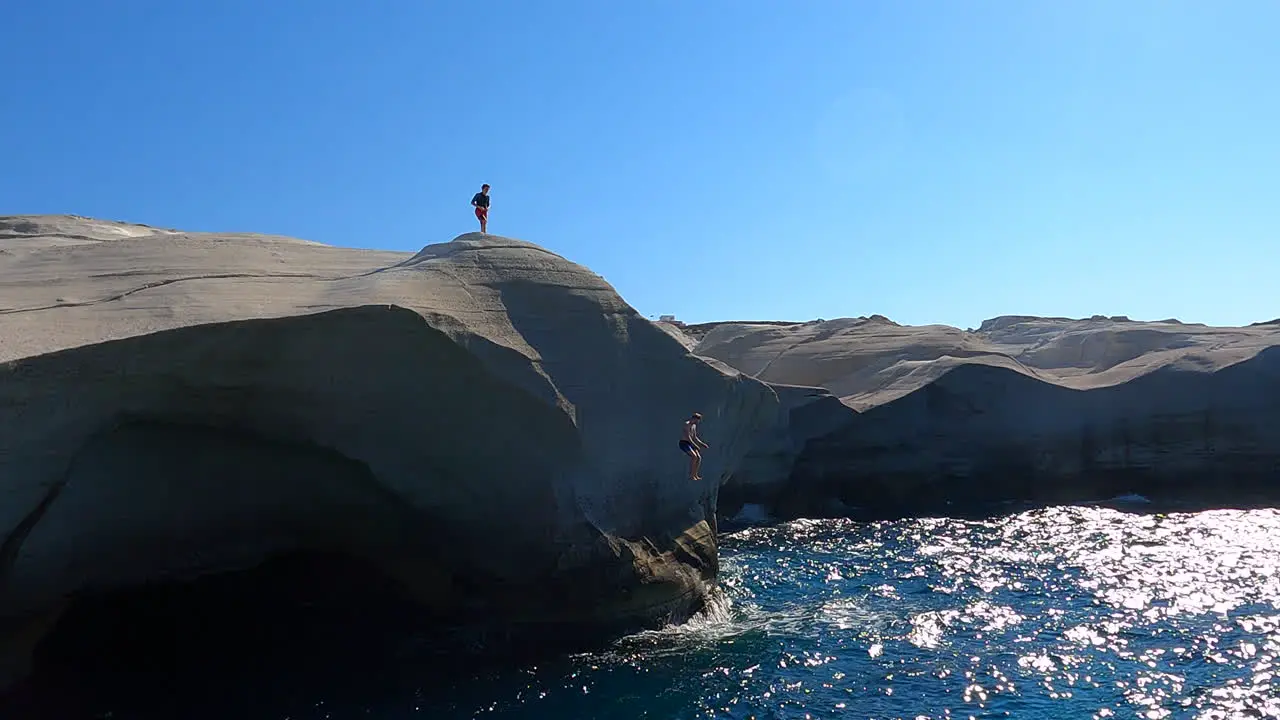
{"points": [[484, 422], [870, 361], [1023, 408]]}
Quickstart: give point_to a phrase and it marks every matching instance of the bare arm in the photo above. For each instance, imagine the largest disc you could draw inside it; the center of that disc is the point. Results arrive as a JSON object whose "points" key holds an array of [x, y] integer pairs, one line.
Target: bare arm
{"points": [[696, 439]]}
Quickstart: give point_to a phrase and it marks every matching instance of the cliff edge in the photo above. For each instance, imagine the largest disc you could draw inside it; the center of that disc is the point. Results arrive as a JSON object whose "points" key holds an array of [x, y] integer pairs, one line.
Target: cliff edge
{"points": [[484, 422]]}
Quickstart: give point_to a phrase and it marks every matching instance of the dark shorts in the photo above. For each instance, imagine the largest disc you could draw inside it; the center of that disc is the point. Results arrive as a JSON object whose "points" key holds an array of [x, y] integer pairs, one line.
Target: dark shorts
{"points": [[686, 447]]}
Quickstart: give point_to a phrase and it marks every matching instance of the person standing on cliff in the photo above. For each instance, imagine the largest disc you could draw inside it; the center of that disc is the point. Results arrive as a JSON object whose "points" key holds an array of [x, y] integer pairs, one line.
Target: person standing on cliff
{"points": [[690, 444], [480, 201]]}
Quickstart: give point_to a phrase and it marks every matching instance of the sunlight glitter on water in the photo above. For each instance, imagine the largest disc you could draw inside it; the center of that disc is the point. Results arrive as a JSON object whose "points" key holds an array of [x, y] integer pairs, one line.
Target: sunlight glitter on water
{"points": [[1066, 612], [1132, 612], [1058, 613]]}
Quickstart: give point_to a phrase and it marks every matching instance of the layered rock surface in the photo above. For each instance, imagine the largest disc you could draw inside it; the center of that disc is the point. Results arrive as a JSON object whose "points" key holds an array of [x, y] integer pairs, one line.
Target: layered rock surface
{"points": [[1022, 408], [484, 421]]}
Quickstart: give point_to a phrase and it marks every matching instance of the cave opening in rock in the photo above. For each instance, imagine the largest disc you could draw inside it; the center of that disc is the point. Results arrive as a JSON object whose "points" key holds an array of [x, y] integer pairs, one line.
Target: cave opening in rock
{"points": [[302, 624], [214, 569], [201, 556], [300, 629]]}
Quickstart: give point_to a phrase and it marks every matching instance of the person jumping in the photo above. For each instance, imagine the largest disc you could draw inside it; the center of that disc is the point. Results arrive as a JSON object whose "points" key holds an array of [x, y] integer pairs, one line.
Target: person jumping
{"points": [[480, 201], [690, 444]]}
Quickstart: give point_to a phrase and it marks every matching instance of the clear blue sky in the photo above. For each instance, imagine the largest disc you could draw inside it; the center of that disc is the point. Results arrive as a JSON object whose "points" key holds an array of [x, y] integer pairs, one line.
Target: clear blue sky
{"points": [[716, 159]]}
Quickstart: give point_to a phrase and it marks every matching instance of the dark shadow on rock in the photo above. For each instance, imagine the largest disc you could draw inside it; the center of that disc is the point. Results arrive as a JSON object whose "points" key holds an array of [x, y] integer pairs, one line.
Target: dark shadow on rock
{"points": [[269, 641]]}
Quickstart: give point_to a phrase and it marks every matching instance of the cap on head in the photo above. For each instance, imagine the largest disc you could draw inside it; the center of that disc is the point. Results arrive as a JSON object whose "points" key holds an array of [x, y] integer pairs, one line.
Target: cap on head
{"points": [[697, 416]]}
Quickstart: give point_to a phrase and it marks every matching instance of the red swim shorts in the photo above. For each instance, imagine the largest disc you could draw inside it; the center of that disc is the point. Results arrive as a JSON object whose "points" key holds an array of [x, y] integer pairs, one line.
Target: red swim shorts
{"points": [[482, 213]]}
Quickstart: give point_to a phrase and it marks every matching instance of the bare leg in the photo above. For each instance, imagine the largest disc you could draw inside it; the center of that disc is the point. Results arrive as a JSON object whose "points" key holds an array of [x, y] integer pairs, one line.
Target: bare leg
{"points": [[697, 465], [484, 223]]}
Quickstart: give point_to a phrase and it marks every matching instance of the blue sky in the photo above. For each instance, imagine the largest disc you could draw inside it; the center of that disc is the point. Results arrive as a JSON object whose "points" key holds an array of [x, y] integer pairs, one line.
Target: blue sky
{"points": [[747, 159]]}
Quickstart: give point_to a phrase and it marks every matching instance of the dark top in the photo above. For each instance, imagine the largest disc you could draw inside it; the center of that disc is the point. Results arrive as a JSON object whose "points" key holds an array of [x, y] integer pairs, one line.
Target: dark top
{"points": [[481, 200]]}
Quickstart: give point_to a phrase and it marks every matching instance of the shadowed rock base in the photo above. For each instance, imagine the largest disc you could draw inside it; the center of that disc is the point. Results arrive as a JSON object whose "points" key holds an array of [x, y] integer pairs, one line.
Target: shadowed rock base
{"points": [[259, 638]]}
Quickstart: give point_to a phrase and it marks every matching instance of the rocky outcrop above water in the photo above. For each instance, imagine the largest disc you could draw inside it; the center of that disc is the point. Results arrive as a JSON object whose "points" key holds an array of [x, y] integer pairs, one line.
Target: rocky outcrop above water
{"points": [[805, 414], [1022, 408], [485, 422]]}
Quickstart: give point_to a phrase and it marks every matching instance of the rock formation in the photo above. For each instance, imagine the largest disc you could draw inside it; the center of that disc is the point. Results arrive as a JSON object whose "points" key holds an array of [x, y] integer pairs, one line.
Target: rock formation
{"points": [[1023, 408], [485, 422], [490, 427]]}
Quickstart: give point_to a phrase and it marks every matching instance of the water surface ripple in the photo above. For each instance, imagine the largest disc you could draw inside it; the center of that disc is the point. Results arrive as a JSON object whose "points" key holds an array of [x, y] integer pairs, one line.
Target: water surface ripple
{"points": [[1076, 612]]}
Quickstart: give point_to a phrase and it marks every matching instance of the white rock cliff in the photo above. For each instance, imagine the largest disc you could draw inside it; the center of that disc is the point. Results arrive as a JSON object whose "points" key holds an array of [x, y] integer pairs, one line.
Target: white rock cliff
{"points": [[482, 421], [1022, 408]]}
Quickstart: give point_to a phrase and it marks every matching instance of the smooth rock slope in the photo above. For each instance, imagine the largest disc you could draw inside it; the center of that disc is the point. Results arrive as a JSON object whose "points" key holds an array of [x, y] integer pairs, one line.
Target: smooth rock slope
{"points": [[484, 421], [1022, 408]]}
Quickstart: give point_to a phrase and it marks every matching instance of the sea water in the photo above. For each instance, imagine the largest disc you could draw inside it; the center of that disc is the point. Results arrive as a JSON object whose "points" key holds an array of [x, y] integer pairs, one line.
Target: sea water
{"points": [[1068, 612]]}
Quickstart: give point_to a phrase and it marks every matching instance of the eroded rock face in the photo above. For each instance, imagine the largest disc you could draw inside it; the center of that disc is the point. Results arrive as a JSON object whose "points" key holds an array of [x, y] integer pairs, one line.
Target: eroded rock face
{"points": [[1024, 408], [804, 414], [981, 434], [485, 421]]}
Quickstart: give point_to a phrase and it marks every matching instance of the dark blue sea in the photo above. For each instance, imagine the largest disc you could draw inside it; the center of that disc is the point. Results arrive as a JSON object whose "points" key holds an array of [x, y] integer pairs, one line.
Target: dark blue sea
{"points": [[1070, 612]]}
